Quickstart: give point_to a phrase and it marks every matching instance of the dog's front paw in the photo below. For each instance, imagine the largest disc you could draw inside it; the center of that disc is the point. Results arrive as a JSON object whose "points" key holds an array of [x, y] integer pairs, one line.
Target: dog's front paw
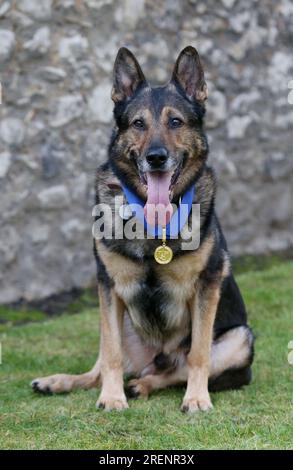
{"points": [[112, 403], [192, 404], [58, 383], [41, 386]]}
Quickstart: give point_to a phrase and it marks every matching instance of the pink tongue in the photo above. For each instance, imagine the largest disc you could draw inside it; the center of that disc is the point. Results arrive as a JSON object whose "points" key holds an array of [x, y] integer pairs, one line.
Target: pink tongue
{"points": [[158, 209]]}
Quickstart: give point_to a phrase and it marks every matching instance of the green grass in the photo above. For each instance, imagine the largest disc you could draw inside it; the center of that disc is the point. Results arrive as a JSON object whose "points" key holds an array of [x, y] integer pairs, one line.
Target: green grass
{"points": [[257, 417], [24, 312], [11, 317]]}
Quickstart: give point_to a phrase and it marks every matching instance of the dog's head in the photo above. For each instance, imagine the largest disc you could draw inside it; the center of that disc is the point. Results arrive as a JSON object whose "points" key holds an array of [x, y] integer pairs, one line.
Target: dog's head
{"points": [[159, 147]]}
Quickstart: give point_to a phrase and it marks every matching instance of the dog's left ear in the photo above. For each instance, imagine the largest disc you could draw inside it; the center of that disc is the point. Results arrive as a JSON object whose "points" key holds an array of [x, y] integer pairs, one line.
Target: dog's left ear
{"points": [[188, 73], [128, 75]]}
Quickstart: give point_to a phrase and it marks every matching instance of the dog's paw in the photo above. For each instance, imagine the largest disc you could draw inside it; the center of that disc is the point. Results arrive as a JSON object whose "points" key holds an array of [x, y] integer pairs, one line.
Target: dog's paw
{"points": [[39, 386], [190, 405], [58, 383], [137, 388], [112, 403]]}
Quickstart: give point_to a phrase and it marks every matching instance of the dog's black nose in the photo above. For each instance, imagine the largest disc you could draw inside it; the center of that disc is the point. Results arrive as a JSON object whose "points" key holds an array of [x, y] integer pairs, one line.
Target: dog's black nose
{"points": [[157, 156]]}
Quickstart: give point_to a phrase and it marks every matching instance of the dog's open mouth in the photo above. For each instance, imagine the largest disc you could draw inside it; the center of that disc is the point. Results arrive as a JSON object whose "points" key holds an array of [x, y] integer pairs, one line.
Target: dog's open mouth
{"points": [[158, 208]]}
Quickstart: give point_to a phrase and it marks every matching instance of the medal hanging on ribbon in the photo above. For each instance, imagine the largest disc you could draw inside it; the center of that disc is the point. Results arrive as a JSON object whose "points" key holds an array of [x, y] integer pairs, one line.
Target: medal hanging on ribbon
{"points": [[163, 254]]}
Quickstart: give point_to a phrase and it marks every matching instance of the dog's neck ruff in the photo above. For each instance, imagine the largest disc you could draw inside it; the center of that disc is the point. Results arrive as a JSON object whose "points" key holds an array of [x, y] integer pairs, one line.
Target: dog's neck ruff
{"points": [[178, 219]]}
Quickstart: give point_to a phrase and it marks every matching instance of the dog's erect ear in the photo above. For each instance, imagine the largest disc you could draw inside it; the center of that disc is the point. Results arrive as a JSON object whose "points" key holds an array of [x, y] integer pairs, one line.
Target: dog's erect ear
{"points": [[188, 72], [128, 75]]}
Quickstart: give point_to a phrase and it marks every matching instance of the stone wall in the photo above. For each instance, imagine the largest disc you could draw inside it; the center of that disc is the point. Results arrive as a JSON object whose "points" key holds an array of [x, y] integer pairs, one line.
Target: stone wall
{"points": [[56, 60]]}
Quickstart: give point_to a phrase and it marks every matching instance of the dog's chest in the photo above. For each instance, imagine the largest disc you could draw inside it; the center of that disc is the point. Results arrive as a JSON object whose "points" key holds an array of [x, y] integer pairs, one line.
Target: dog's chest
{"points": [[156, 296], [158, 306]]}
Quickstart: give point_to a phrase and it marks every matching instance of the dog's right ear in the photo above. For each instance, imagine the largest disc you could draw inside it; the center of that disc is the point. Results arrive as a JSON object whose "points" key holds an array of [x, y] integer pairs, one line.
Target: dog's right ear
{"points": [[188, 73], [128, 75]]}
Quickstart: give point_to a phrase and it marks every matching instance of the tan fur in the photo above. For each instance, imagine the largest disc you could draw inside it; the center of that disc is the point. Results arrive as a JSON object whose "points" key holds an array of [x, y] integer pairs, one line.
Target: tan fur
{"points": [[203, 309], [111, 358], [124, 272]]}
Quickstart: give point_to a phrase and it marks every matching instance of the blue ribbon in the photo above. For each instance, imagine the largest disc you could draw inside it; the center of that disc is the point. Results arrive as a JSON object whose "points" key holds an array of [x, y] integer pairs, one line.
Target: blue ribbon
{"points": [[178, 219]]}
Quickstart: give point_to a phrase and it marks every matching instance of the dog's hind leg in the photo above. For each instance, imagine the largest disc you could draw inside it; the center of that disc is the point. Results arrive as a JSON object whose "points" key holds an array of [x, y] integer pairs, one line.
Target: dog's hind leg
{"points": [[145, 385], [62, 383], [231, 357]]}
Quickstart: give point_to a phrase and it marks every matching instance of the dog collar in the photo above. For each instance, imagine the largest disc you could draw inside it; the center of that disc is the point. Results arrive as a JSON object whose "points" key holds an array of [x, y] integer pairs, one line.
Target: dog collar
{"points": [[178, 219]]}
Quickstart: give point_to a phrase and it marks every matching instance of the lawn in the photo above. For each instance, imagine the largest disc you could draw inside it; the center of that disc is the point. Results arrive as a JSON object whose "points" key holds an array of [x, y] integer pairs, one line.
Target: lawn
{"points": [[257, 417]]}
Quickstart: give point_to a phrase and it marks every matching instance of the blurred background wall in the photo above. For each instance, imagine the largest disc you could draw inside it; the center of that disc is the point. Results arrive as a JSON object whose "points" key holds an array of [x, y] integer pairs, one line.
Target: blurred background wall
{"points": [[56, 62]]}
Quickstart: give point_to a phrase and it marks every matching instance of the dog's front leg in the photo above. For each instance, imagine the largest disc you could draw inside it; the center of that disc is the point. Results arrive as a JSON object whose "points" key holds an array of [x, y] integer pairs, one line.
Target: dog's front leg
{"points": [[112, 395], [203, 307]]}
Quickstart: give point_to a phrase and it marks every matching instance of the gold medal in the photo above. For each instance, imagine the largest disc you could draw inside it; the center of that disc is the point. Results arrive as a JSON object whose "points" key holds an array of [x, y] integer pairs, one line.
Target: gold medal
{"points": [[163, 254]]}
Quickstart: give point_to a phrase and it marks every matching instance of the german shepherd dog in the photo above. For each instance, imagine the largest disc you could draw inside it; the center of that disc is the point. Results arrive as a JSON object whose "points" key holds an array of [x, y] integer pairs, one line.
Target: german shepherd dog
{"points": [[164, 324]]}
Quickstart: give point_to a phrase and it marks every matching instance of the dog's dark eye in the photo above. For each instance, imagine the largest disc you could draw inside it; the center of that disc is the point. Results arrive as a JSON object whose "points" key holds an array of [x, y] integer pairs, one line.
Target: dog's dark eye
{"points": [[138, 124], [175, 122]]}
